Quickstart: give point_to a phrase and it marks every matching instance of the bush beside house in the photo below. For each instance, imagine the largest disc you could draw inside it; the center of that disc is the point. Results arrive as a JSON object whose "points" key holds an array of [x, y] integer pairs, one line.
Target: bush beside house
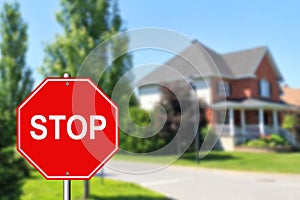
{"points": [[271, 141]]}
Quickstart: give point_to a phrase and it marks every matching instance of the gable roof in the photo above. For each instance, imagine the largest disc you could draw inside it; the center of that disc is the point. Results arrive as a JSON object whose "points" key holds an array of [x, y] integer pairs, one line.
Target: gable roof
{"points": [[199, 59], [244, 63]]}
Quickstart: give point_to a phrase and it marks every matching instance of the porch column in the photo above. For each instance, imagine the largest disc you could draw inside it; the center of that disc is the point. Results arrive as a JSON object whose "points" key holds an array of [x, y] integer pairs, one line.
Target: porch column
{"points": [[261, 121], [231, 121], [275, 121], [243, 123]]}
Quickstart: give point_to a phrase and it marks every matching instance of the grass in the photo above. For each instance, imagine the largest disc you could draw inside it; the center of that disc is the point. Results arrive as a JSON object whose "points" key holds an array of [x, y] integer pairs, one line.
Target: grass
{"points": [[36, 187], [245, 161], [241, 161]]}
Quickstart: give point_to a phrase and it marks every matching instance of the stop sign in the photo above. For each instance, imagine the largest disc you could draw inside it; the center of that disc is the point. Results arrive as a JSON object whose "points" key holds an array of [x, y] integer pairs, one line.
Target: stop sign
{"points": [[67, 128]]}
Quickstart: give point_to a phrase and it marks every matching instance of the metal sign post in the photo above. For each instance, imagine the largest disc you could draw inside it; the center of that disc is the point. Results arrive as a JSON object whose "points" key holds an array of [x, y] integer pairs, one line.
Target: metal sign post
{"points": [[67, 189]]}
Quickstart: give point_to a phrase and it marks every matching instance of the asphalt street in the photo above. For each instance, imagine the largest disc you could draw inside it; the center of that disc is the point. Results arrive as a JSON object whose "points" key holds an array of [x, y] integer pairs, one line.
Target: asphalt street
{"points": [[190, 183]]}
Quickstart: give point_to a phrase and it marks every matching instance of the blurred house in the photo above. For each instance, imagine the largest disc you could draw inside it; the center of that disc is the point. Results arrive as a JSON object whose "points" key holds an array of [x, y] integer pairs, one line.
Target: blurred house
{"points": [[241, 89]]}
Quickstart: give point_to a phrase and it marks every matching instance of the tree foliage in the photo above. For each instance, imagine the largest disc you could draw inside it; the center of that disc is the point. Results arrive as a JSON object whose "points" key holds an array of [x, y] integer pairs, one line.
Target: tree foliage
{"points": [[291, 122], [180, 112], [86, 24], [135, 139], [145, 140], [15, 84]]}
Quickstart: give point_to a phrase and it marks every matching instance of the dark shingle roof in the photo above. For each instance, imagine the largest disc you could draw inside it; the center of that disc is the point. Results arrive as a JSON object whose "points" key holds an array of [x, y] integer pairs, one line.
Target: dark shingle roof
{"points": [[243, 63], [199, 59]]}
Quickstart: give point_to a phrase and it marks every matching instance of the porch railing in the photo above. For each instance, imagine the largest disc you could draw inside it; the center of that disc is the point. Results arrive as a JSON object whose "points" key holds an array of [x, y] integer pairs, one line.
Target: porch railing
{"points": [[269, 130], [288, 136], [223, 129], [251, 130]]}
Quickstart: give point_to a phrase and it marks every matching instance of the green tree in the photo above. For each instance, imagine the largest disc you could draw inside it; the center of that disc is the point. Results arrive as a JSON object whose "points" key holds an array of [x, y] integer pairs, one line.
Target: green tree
{"points": [[135, 138], [86, 24], [181, 114], [123, 62], [15, 84], [291, 122]]}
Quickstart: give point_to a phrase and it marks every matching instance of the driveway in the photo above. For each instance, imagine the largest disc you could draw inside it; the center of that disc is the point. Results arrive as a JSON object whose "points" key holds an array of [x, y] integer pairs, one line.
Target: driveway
{"points": [[189, 183]]}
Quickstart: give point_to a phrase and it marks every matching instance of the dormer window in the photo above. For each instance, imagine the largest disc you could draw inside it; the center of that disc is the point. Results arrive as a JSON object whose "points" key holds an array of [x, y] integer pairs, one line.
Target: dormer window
{"points": [[264, 88]]}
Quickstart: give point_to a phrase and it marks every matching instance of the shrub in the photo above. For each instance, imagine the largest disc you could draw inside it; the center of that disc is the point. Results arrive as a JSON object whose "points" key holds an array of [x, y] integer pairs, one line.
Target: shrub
{"points": [[278, 140], [258, 143], [140, 116], [272, 140], [135, 136]]}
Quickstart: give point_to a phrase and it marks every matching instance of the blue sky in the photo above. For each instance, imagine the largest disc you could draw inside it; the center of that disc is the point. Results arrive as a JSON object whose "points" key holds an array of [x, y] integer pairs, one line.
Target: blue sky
{"points": [[224, 26]]}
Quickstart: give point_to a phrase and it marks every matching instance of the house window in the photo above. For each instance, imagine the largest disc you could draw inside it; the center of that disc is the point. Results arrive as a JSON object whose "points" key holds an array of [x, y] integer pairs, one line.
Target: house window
{"points": [[264, 88], [223, 88]]}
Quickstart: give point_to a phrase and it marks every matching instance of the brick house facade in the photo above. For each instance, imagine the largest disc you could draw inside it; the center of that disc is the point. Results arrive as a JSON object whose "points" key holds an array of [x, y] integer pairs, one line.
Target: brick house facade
{"points": [[241, 89]]}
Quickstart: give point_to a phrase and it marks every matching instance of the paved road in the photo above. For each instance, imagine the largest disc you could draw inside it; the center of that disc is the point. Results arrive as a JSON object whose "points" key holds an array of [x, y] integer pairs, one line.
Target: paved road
{"points": [[190, 183]]}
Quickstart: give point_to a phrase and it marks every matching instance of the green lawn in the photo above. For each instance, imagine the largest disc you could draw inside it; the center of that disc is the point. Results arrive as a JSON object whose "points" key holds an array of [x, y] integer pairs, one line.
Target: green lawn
{"points": [[37, 187], [261, 162]]}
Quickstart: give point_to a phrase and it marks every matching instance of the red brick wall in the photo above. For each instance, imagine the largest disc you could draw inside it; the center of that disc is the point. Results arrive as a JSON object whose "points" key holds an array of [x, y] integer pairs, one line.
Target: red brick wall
{"points": [[248, 88], [266, 71], [244, 88]]}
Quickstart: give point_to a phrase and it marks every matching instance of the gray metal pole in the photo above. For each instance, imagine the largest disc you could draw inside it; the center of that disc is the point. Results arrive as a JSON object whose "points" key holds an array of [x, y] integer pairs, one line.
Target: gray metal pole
{"points": [[197, 146], [67, 189], [86, 192]]}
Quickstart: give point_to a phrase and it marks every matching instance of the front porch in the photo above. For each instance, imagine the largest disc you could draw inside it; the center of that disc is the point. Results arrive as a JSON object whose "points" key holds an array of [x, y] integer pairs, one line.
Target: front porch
{"points": [[249, 123], [237, 122]]}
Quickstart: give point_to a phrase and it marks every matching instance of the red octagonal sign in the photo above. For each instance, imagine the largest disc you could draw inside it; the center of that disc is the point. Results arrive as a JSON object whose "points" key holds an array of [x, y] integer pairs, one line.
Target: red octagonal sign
{"points": [[67, 128]]}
